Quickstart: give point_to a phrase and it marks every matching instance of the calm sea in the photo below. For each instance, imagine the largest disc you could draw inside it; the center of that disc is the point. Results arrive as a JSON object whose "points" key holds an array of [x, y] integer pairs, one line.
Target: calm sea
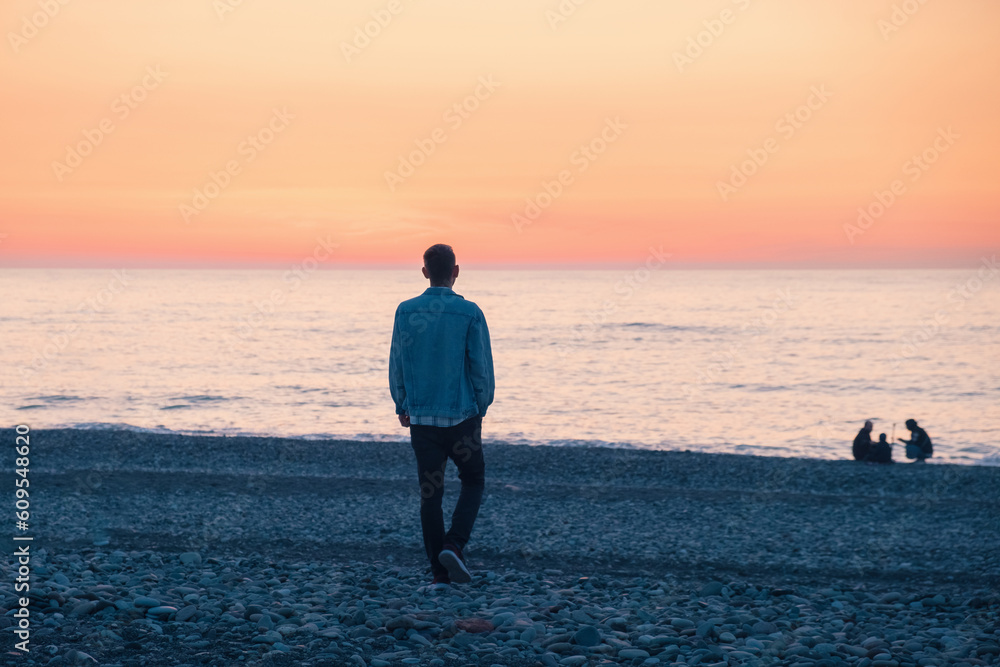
{"points": [[783, 363]]}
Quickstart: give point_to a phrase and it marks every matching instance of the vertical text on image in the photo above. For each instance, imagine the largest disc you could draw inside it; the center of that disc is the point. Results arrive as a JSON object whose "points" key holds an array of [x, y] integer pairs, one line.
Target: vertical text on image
{"points": [[22, 514]]}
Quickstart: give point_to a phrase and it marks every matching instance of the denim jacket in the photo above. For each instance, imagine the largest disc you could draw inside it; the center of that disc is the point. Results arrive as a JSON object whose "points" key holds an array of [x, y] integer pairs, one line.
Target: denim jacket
{"points": [[440, 361]]}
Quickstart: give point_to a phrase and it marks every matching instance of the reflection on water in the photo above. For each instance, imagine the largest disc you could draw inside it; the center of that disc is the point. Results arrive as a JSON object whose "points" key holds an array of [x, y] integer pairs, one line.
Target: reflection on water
{"points": [[786, 363]]}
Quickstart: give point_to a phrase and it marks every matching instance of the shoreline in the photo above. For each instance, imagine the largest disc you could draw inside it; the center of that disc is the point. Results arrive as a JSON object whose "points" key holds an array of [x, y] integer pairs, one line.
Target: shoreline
{"points": [[988, 460]]}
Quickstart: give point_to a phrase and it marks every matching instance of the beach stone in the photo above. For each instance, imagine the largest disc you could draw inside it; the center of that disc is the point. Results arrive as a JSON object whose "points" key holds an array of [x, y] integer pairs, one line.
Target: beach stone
{"points": [[473, 625], [78, 657], [727, 637], [186, 612], [560, 647], [405, 622], [681, 623], [161, 611], [587, 636], [145, 601], [670, 651], [83, 608], [574, 660], [500, 619], [764, 628], [711, 588], [856, 651], [632, 653], [268, 637], [191, 558]]}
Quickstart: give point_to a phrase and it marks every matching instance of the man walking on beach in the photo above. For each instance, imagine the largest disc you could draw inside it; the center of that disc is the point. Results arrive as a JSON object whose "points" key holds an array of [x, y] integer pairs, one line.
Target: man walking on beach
{"points": [[441, 380]]}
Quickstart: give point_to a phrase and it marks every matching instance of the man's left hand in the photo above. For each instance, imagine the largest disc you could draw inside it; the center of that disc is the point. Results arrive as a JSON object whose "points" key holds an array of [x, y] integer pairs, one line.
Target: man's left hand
{"points": [[404, 419]]}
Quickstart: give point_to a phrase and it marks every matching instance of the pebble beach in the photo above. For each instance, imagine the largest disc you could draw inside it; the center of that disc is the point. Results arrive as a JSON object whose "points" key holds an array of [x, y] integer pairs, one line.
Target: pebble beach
{"points": [[168, 549]]}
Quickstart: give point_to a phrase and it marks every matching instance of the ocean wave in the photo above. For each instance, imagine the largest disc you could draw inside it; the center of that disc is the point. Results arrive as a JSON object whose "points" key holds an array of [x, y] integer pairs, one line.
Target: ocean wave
{"points": [[659, 326], [204, 398], [57, 398]]}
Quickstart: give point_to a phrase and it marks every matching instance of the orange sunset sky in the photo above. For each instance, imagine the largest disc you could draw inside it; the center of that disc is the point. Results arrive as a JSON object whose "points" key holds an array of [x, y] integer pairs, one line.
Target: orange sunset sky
{"points": [[729, 132]]}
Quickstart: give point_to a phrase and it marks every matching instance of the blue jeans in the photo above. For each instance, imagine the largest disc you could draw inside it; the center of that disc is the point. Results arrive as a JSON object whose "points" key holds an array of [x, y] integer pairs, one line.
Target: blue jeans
{"points": [[433, 446]]}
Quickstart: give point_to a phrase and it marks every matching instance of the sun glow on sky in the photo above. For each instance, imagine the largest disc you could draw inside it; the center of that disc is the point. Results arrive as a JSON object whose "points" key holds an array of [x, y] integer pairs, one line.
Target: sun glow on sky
{"points": [[732, 132]]}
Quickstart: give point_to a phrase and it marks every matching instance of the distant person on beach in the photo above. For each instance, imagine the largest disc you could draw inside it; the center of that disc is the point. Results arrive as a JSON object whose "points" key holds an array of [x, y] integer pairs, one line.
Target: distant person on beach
{"points": [[441, 380], [862, 442], [881, 451], [919, 446]]}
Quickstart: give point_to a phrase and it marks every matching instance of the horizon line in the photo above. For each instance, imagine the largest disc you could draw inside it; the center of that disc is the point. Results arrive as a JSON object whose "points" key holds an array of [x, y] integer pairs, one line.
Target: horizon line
{"points": [[501, 266]]}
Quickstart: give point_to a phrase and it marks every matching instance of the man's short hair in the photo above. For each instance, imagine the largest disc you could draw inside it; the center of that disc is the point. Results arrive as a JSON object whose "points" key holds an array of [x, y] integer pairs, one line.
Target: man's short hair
{"points": [[440, 262]]}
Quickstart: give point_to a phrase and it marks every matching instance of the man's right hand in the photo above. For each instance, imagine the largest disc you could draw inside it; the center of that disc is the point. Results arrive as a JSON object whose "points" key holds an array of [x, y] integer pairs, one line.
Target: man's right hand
{"points": [[404, 419]]}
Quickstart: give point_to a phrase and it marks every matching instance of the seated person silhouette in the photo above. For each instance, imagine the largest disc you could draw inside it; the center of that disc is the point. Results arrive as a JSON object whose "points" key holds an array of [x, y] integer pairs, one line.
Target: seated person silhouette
{"points": [[862, 443], [881, 451]]}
